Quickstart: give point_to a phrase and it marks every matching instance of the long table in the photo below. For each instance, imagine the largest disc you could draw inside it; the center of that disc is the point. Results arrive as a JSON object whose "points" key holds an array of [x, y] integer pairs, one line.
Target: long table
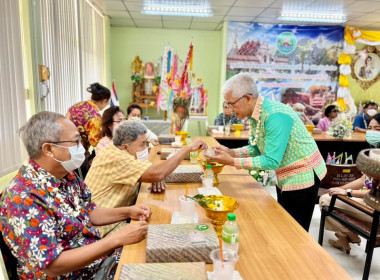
{"points": [[326, 143], [272, 244]]}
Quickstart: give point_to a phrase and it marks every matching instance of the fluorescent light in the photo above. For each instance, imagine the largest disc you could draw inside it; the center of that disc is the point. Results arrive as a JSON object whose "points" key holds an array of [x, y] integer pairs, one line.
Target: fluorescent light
{"points": [[193, 8], [307, 16]]}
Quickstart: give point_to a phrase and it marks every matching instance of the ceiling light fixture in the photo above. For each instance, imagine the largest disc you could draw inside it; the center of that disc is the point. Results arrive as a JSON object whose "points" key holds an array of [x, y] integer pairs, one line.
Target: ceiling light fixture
{"points": [[307, 16], [192, 8]]}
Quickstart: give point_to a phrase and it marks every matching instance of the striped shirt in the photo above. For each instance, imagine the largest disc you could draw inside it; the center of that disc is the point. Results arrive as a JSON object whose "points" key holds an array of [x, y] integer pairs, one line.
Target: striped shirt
{"points": [[113, 179], [283, 144]]}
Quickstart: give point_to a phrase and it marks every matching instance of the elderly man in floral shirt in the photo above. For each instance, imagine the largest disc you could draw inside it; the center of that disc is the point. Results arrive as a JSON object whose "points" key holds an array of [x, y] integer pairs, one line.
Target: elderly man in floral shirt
{"points": [[47, 216]]}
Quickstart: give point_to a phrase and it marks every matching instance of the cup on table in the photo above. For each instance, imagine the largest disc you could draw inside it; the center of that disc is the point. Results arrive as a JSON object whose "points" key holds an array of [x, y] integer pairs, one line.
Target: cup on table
{"points": [[220, 128], [194, 157], [225, 270], [177, 139], [207, 182], [187, 206]]}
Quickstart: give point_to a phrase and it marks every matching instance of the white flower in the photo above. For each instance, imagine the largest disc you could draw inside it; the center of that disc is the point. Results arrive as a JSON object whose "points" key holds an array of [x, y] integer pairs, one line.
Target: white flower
{"points": [[32, 213], [49, 232], [20, 226], [34, 241]]}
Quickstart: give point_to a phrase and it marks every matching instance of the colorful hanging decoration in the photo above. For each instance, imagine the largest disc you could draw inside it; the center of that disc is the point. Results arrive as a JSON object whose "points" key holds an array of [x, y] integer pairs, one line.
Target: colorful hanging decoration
{"points": [[176, 92]]}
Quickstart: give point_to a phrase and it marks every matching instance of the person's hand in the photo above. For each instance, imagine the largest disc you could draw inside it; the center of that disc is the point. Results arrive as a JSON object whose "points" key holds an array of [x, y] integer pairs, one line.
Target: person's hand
{"points": [[140, 212], [335, 191], [154, 142], [132, 233], [219, 149], [198, 144], [157, 187], [221, 157]]}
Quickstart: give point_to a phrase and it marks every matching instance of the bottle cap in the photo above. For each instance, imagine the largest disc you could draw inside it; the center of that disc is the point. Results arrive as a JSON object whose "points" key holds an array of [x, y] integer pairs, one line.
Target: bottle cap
{"points": [[188, 136], [209, 166], [231, 217]]}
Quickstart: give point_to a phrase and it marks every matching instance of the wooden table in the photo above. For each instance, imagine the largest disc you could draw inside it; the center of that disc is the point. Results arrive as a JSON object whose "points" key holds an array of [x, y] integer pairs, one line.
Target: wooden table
{"points": [[272, 244], [326, 143]]}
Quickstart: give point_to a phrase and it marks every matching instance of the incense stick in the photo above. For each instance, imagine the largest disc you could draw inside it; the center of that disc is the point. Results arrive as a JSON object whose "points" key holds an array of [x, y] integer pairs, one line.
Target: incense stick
{"points": [[187, 191]]}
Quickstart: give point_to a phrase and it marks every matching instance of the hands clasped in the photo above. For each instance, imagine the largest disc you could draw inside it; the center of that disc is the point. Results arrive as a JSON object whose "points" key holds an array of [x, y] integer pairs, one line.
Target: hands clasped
{"points": [[336, 191]]}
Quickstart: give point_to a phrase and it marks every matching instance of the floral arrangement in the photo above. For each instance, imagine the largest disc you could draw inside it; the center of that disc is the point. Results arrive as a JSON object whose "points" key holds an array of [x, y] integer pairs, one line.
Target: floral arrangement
{"points": [[340, 128], [136, 77], [261, 176]]}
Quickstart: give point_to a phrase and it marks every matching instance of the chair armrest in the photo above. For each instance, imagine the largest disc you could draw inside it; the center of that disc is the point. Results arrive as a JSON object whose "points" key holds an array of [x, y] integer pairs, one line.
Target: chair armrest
{"points": [[356, 204], [105, 268]]}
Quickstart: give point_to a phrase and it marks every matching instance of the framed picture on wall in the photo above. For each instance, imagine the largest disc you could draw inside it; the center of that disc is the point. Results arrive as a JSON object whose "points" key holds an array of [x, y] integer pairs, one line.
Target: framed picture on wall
{"points": [[198, 103], [365, 69]]}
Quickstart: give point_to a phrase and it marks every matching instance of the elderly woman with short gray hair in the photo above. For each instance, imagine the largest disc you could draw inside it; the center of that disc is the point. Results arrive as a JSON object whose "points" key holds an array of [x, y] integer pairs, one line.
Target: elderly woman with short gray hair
{"points": [[116, 172], [278, 141]]}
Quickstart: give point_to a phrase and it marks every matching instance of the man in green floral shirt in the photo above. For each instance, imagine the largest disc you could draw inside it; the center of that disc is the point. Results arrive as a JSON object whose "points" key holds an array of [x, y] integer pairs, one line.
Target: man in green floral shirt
{"points": [[278, 141]]}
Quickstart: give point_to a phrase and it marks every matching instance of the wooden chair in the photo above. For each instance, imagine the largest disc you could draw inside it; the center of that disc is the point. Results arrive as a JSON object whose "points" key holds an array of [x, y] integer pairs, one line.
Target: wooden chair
{"points": [[369, 231], [337, 176]]}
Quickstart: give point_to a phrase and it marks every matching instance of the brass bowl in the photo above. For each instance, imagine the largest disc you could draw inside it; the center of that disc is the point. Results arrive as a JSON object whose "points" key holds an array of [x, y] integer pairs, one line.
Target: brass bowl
{"points": [[310, 128], [217, 207], [183, 135], [216, 168]]}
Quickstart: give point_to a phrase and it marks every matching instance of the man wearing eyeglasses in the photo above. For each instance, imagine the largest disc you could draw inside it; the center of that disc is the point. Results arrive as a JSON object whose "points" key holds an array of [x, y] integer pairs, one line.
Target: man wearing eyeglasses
{"points": [[278, 141], [116, 172], [47, 215]]}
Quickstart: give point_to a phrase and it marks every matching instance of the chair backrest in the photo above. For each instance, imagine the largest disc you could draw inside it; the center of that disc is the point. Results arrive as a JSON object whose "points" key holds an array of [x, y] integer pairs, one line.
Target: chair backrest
{"points": [[9, 260], [339, 175]]}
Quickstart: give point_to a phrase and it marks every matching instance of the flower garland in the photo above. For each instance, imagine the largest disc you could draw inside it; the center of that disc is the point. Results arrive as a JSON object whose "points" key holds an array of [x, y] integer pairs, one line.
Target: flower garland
{"points": [[257, 112]]}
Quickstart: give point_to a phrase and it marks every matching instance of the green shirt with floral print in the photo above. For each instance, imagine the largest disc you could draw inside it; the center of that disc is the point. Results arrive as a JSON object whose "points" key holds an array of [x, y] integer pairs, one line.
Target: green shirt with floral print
{"points": [[278, 140]]}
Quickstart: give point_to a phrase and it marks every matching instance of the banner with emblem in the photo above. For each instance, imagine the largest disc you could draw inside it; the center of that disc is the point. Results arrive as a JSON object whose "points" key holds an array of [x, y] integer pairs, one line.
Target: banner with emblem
{"points": [[292, 64]]}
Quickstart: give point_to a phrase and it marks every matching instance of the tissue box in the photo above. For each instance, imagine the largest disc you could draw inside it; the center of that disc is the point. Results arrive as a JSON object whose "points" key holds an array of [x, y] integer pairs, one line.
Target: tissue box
{"points": [[164, 271], [180, 243], [166, 139], [185, 174], [167, 151]]}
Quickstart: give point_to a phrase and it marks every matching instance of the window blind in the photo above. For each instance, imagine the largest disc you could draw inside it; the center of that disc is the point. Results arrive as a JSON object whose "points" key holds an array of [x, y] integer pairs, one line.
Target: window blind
{"points": [[12, 100], [72, 40]]}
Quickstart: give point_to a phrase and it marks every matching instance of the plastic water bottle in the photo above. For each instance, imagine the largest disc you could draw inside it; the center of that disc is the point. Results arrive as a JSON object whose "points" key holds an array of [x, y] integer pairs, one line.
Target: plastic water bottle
{"points": [[188, 140], [227, 129], [231, 233], [209, 172]]}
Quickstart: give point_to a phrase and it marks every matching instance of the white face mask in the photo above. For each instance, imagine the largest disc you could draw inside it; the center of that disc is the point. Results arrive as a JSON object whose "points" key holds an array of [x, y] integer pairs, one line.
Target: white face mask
{"points": [[77, 157], [136, 119], [142, 155], [371, 112]]}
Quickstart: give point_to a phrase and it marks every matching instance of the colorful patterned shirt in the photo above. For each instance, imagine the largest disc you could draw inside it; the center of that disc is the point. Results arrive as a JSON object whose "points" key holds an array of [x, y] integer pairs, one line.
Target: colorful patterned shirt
{"points": [[221, 119], [41, 216], [85, 115], [282, 144], [113, 179]]}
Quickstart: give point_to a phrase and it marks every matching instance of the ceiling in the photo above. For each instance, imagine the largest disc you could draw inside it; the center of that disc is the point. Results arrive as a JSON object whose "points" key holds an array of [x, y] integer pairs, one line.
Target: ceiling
{"points": [[123, 13]]}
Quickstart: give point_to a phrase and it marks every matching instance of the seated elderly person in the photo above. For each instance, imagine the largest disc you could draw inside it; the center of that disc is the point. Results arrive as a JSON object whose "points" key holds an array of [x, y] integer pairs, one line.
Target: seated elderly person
{"points": [[300, 111], [116, 172], [226, 117], [47, 215]]}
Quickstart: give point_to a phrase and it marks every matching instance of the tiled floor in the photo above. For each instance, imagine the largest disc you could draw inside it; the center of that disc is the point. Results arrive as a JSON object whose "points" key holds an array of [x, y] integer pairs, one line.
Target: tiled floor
{"points": [[352, 263]]}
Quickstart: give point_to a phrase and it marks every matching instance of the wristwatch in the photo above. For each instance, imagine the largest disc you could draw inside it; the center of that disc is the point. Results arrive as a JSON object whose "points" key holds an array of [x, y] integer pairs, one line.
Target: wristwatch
{"points": [[349, 194]]}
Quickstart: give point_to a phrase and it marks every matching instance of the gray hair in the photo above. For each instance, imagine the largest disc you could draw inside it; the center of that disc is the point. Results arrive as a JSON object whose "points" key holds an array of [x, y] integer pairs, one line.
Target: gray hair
{"points": [[240, 85], [40, 128], [128, 132], [298, 106]]}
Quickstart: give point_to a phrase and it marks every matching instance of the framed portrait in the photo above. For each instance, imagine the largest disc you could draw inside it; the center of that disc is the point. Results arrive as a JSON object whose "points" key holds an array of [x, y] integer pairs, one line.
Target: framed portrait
{"points": [[365, 69], [198, 103]]}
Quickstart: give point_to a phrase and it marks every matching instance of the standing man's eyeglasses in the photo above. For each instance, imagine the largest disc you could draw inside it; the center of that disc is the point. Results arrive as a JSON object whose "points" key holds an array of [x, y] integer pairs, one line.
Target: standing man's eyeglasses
{"points": [[78, 142], [232, 104]]}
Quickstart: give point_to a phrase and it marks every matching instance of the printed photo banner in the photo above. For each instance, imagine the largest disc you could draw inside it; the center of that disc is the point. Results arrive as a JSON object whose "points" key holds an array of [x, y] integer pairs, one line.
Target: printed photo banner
{"points": [[291, 64]]}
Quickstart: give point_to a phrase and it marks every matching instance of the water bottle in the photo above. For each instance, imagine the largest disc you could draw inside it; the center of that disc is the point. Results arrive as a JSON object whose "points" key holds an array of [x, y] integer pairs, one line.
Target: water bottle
{"points": [[209, 172], [227, 129], [231, 233]]}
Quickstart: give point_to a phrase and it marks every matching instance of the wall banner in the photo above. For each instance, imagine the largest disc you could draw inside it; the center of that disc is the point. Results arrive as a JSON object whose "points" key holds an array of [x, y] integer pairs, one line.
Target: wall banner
{"points": [[291, 64]]}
